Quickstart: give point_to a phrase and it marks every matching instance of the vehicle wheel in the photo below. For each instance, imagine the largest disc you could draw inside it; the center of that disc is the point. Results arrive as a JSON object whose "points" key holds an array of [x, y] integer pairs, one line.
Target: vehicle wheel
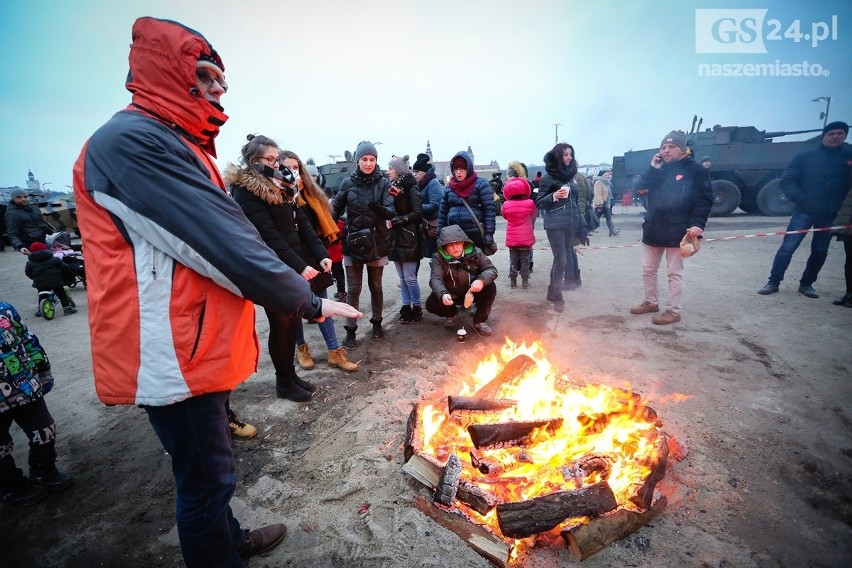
{"points": [[47, 309], [726, 197], [772, 201]]}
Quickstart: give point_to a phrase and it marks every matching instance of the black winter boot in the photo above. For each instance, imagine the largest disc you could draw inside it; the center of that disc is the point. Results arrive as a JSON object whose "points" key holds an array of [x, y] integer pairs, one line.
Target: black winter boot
{"points": [[349, 342], [405, 314], [555, 295], [416, 314], [378, 333], [286, 387], [577, 278]]}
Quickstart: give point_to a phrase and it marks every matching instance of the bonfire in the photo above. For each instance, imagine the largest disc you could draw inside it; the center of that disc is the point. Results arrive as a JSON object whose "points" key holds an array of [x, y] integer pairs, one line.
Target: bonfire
{"points": [[523, 453]]}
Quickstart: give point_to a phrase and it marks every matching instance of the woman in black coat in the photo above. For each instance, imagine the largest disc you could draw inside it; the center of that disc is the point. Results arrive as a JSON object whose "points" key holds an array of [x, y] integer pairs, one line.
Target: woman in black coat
{"points": [[267, 195], [366, 203], [405, 237]]}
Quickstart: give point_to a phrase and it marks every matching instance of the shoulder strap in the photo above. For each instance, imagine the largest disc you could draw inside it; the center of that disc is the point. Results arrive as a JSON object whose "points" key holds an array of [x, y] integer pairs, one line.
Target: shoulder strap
{"points": [[475, 218]]}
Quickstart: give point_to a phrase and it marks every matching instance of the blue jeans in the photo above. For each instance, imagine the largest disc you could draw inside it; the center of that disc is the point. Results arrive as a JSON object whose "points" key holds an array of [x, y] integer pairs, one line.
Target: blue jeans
{"points": [[326, 328], [819, 248], [196, 435], [408, 284]]}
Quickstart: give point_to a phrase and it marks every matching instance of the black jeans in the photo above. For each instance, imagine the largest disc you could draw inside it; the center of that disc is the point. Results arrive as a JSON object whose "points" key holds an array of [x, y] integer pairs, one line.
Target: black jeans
{"points": [[37, 423], [339, 277], [354, 277], [196, 435], [564, 264], [283, 331], [483, 300], [847, 267]]}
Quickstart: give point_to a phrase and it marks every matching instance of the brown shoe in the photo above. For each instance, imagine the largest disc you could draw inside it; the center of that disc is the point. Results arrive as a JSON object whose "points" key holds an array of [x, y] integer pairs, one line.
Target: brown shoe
{"points": [[337, 358], [645, 308], [303, 355], [240, 429], [666, 318], [260, 540]]}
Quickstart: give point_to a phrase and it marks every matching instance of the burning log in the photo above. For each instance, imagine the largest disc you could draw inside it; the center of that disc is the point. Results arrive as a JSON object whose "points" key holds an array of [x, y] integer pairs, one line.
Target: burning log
{"points": [[598, 533], [644, 493], [526, 518], [677, 449], [512, 372], [499, 461], [427, 471], [413, 435], [515, 433], [478, 404], [449, 481], [580, 469], [486, 543], [599, 422]]}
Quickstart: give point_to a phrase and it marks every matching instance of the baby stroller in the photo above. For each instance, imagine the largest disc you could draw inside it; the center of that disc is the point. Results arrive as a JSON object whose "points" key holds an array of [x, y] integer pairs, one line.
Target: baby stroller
{"points": [[60, 245]]}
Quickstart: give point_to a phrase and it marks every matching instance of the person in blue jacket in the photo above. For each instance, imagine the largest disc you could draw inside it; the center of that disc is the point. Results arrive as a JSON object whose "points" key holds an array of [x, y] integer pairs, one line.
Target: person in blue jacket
{"points": [[466, 186]]}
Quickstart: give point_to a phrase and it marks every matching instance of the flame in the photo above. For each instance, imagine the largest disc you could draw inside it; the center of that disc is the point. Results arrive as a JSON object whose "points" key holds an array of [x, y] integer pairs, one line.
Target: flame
{"points": [[581, 421]]}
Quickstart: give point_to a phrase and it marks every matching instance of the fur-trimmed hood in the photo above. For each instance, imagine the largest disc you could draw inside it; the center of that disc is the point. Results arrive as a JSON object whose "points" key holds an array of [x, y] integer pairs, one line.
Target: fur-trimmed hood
{"points": [[255, 183], [515, 169]]}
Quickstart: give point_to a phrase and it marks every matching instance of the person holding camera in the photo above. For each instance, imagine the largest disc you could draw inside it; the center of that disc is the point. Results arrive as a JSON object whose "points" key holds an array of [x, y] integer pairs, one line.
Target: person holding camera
{"points": [[405, 237], [365, 200]]}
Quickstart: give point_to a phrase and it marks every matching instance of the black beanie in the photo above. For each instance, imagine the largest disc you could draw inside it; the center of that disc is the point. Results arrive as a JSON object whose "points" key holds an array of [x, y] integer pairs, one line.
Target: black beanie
{"points": [[421, 164], [836, 125]]}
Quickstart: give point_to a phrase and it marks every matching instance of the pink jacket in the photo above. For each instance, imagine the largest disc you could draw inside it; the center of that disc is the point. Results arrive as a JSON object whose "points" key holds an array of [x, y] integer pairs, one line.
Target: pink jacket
{"points": [[520, 212]]}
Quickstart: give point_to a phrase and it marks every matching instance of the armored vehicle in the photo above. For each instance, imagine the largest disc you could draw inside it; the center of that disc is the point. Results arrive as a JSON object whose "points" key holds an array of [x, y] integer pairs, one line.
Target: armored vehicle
{"points": [[747, 163], [60, 214], [334, 174]]}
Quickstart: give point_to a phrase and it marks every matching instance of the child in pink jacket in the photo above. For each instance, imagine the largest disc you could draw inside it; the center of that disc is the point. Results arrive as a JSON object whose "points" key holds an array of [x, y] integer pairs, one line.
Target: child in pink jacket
{"points": [[520, 212]]}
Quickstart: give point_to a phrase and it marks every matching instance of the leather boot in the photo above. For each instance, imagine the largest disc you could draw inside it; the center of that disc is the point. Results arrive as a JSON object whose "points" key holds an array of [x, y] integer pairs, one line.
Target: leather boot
{"points": [[405, 314], [577, 280], [378, 332], [286, 387], [554, 295], [337, 358], [416, 315], [303, 356], [349, 342]]}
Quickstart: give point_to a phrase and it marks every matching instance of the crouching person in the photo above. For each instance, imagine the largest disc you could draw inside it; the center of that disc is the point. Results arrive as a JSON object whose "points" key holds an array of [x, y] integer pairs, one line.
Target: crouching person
{"points": [[24, 380], [459, 269]]}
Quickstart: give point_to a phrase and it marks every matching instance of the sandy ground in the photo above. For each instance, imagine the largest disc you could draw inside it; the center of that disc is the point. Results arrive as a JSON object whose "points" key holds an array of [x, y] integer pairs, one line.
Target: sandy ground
{"points": [[768, 479]]}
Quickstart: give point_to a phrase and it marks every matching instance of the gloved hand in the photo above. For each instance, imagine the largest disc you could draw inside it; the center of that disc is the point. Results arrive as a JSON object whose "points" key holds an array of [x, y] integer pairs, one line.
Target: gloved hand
{"points": [[397, 221], [488, 240], [376, 208], [46, 378], [584, 237]]}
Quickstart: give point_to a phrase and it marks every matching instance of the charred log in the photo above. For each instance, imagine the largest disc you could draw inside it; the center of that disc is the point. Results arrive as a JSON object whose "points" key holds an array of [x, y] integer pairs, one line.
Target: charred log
{"points": [[486, 543], [499, 461], [476, 498], [510, 433], [478, 404], [525, 518], [449, 481], [600, 532], [512, 372], [413, 436], [644, 493], [677, 449], [580, 469]]}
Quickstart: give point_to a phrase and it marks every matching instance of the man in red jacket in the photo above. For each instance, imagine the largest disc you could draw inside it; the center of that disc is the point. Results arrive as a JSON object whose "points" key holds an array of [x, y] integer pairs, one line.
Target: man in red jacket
{"points": [[174, 268]]}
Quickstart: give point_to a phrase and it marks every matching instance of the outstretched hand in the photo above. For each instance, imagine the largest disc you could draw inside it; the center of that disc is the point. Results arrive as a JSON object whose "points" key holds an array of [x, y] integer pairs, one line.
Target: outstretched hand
{"points": [[330, 308]]}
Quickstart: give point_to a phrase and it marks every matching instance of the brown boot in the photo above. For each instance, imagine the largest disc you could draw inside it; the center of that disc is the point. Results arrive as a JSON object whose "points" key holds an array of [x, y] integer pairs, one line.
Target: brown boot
{"points": [[303, 355], [666, 318], [337, 358], [645, 308]]}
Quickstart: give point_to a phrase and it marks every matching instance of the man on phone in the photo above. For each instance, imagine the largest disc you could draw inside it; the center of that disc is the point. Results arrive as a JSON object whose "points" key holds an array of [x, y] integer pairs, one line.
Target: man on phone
{"points": [[679, 200]]}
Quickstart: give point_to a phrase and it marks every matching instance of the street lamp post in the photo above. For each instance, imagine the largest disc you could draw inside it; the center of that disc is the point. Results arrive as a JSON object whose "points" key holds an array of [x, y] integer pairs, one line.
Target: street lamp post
{"points": [[556, 133], [823, 115]]}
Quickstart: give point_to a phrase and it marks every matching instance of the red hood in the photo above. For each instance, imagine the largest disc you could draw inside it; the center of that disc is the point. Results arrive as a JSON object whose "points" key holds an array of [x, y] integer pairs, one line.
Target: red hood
{"points": [[163, 57]]}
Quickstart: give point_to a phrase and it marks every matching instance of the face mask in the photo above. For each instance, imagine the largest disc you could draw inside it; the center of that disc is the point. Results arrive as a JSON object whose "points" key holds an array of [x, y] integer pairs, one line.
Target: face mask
{"points": [[267, 170]]}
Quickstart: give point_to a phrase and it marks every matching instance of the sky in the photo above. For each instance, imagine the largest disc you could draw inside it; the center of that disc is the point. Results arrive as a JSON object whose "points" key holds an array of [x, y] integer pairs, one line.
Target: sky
{"points": [[492, 75]]}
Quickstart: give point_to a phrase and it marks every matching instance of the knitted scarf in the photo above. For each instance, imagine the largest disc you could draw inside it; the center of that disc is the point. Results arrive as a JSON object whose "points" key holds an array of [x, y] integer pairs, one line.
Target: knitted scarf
{"points": [[327, 227], [465, 187]]}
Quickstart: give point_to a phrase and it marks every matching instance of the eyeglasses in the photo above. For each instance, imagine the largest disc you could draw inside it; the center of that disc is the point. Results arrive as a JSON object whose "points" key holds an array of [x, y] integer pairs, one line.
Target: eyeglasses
{"points": [[271, 160], [207, 79]]}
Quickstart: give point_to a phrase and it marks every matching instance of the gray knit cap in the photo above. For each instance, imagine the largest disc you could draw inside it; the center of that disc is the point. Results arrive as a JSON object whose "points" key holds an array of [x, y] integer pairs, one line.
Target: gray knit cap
{"points": [[365, 148], [676, 137], [399, 164]]}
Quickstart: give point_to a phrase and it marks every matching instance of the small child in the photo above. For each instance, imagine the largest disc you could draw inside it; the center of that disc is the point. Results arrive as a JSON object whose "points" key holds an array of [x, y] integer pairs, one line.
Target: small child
{"points": [[461, 275], [48, 273], [25, 378], [520, 214]]}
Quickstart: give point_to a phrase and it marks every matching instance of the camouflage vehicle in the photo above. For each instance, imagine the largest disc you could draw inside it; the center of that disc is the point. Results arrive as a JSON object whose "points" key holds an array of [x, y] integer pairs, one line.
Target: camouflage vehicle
{"points": [[746, 166], [60, 214]]}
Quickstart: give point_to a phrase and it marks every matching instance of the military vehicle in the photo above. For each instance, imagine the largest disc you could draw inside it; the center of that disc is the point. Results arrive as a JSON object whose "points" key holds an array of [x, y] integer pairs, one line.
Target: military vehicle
{"points": [[334, 174], [747, 163], [60, 214]]}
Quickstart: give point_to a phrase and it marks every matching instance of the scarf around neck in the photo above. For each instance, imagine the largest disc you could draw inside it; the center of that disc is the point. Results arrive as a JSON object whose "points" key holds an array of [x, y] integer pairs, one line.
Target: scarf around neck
{"points": [[327, 227], [465, 187]]}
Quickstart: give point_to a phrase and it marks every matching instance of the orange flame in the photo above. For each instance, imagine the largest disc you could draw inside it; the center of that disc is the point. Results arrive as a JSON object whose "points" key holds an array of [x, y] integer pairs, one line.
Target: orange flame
{"points": [[613, 424]]}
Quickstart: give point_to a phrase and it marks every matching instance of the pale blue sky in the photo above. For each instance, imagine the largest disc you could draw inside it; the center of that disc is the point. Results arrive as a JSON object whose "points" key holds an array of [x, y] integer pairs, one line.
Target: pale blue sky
{"points": [[493, 74]]}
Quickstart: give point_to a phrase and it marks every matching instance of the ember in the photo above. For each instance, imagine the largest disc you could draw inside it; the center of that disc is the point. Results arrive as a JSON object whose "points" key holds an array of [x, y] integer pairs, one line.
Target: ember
{"points": [[522, 451]]}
